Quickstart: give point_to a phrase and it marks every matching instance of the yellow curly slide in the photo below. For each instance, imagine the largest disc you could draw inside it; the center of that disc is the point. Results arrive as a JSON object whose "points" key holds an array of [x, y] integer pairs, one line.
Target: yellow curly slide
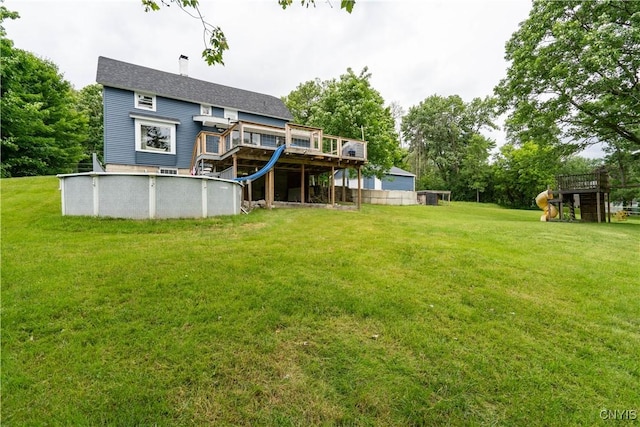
{"points": [[542, 200]]}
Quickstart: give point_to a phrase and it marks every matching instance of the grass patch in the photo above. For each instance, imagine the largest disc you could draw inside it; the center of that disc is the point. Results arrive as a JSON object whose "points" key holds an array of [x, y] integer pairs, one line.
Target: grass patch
{"points": [[457, 315]]}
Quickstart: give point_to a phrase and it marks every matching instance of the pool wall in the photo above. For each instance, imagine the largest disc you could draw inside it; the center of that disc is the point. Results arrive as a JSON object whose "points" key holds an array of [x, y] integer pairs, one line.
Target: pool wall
{"points": [[145, 195]]}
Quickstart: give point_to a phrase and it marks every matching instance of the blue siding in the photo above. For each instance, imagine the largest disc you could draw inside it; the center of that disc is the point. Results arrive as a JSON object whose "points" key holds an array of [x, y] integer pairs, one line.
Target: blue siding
{"points": [[153, 159], [396, 182], [389, 182], [217, 112], [186, 131], [339, 173], [119, 134], [248, 117], [119, 129], [369, 183]]}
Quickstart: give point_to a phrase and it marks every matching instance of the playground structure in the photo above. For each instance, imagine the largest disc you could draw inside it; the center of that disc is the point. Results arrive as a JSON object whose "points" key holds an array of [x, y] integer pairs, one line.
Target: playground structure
{"points": [[590, 192], [549, 211]]}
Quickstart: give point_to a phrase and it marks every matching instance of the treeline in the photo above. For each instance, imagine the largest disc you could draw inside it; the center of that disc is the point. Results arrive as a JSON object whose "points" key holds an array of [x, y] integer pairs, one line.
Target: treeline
{"points": [[47, 126], [572, 82], [444, 143]]}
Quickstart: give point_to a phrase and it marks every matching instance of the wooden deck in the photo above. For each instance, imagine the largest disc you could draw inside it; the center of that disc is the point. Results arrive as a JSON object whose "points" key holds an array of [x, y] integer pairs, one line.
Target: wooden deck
{"points": [[252, 144], [246, 147]]}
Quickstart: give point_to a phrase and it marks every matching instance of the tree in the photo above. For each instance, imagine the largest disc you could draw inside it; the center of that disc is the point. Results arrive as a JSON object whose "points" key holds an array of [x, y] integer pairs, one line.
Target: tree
{"points": [[215, 42], [89, 103], [303, 101], [476, 170], [576, 165], [520, 173], [351, 108], [41, 131], [6, 14], [574, 74], [444, 133], [624, 169]]}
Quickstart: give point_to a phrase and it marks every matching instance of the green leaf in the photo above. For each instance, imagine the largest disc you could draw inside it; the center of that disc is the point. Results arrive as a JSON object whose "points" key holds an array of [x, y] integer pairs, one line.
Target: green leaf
{"points": [[348, 5]]}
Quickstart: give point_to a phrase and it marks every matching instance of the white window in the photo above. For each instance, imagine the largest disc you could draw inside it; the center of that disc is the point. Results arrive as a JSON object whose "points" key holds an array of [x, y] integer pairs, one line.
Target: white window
{"points": [[168, 171], [205, 110], [144, 101], [252, 138], [155, 136], [230, 114]]}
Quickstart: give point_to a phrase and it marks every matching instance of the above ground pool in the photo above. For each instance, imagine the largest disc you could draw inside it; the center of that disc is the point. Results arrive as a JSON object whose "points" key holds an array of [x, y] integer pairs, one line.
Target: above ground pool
{"points": [[148, 195]]}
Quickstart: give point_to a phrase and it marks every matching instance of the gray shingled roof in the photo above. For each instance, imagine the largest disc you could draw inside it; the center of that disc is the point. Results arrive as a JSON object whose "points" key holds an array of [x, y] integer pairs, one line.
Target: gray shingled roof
{"points": [[399, 172], [122, 75]]}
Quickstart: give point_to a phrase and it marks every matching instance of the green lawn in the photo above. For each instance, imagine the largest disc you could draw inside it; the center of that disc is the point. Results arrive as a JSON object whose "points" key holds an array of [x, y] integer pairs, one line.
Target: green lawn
{"points": [[455, 315]]}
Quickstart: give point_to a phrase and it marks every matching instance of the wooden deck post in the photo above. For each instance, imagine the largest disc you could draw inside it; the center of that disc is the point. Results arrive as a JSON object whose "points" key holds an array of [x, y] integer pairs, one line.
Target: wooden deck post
{"points": [[359, 187], [235, 166], [598, 207], [287, 135], [302, 195], [332, 198], [269, 188], [241, 133], [344, 190]]}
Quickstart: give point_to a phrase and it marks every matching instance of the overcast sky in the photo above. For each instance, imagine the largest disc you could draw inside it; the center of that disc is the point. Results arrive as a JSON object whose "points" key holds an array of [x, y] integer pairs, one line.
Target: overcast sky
{"points": [[413, 48]]}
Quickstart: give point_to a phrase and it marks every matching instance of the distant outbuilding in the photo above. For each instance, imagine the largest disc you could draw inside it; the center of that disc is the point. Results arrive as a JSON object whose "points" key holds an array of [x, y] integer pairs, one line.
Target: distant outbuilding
{"points": [[434, 197], [396, 179]]}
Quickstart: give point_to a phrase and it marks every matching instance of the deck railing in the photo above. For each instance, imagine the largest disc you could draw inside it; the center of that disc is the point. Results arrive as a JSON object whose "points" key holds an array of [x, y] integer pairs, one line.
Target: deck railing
{"points": [[311, 139], [597, 180]]}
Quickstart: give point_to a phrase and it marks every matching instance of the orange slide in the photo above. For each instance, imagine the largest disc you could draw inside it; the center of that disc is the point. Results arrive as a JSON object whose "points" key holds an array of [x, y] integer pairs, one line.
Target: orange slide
{"points": [[542, 200]]}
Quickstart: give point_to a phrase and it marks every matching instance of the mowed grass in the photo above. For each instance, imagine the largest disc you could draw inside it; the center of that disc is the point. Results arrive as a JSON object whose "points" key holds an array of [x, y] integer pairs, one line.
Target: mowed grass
{"points": [[454, 315]]}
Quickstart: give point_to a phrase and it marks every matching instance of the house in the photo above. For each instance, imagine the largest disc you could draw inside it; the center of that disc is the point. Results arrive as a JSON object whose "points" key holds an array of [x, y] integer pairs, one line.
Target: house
{"points": [[166, 123], [152, 118], [395, 179]]}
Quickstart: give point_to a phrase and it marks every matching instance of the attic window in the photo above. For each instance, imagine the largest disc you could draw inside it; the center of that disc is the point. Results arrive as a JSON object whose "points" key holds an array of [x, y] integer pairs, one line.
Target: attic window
{"points": [[145, 101], [230, 114], [205, 110]]}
